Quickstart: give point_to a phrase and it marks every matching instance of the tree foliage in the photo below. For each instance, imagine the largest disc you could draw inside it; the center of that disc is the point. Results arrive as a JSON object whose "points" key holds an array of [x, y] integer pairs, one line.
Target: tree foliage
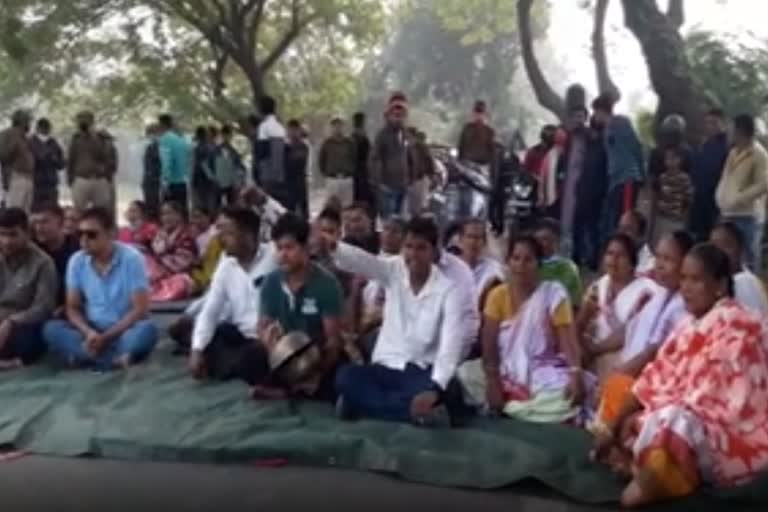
{"points": [[733, 73], [209, 58], [448, 54]]}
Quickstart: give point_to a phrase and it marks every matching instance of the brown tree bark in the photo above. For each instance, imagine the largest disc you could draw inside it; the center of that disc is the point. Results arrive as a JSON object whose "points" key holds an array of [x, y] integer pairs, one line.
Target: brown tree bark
{"points": [[545, 94], [605, 82], [664, 52]]}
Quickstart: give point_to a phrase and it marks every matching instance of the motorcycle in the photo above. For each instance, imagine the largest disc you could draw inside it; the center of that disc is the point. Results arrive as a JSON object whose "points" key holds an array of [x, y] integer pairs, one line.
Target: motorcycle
{"points": [[463, 191], [514, 204]]}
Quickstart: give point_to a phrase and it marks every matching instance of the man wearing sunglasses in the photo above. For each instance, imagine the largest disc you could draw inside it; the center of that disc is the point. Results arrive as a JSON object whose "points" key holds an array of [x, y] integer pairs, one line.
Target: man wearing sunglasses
{"points": [[27, 291], [107, 302]]}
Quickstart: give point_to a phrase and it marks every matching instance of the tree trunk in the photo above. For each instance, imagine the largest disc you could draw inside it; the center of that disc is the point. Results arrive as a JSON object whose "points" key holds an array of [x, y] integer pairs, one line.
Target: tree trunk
{"points": [[545, 94], [670, 75], [604, 81], [676, 13]]}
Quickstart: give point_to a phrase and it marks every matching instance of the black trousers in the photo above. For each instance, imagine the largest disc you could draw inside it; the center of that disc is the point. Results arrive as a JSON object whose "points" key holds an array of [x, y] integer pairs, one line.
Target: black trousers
{"points": [[177, 192], [25, 342], [230, 355]]}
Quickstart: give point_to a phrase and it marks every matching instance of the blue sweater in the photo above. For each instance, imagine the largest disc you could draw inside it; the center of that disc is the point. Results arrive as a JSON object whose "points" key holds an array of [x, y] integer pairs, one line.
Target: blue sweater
{"points": [[624, 153]]}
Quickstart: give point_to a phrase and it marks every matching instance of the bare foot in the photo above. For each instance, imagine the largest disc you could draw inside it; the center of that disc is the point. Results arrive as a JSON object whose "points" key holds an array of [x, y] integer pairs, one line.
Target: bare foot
{"points": [[124, 362], [10, 364], [644, 489]]}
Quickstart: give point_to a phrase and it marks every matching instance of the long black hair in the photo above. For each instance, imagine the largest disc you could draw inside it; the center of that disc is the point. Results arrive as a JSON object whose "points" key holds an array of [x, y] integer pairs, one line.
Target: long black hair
{"points": [[716, 264]]}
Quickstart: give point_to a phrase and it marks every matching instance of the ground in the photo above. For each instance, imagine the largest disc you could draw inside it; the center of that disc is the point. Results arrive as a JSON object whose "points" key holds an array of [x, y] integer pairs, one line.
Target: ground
{"points": [[47, 484]]}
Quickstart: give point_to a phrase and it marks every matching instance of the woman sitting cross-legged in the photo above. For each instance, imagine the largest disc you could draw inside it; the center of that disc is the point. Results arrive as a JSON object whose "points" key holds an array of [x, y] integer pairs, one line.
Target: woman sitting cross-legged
{"points": [[610, 305], [531, 358], [699, 412], [173, 256], [650, 328]]}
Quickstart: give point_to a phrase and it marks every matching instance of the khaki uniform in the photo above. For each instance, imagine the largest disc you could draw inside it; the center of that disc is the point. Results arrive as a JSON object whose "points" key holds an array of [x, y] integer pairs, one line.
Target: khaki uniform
{"points": [[91, 170], [18, 168]]}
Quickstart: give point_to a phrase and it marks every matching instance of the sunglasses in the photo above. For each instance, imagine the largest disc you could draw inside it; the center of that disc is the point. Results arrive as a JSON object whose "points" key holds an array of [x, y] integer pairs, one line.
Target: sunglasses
{"points": [[88, 234]]}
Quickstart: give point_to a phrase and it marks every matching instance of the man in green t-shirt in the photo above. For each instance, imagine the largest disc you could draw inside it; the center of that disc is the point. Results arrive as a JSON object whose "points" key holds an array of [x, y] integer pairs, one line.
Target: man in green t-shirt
{"points": [[302, 296]]}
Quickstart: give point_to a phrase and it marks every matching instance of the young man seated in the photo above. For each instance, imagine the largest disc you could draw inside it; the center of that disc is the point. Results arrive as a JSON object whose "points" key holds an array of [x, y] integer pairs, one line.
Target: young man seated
{"points": [[301, 297], [358, 228], [107, 305], [28, 286], [421, 340], [224, 350], [48, 231], [487, 272], [555, 267]]}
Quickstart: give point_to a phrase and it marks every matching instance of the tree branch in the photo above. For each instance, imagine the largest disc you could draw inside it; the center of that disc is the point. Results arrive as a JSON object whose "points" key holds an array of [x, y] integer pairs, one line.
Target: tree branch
{"points": [[604, 81], [545, 94], [295, 30], [676, 13]]}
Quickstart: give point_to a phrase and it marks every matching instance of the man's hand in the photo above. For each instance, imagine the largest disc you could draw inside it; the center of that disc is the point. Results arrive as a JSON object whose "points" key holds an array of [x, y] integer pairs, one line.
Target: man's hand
{"points": [[197, 365], [94, 343], [5, 332], [423, 403], [494, 394], [575, 390], [309, 386]]}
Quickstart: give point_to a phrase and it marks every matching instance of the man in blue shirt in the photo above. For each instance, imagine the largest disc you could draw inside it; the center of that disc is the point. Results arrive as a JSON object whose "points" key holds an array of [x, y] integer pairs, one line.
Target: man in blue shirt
{"points": [[107, 302], [175, 160]]}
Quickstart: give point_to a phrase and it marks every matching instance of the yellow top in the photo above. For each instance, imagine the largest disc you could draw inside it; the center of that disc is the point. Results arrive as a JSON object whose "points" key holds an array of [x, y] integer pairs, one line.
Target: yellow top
{"points": [[499, 307]]}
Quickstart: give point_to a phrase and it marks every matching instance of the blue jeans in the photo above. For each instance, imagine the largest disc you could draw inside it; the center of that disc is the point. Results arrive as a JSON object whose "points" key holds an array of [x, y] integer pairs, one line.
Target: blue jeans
{"points": [[379, 392], [748, 228], [68, 343], [390, 201]]}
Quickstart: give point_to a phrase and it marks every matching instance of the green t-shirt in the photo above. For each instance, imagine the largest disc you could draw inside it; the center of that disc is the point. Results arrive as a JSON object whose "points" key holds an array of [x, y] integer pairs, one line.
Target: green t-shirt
{"points": [[565, 272], [319, 298]]}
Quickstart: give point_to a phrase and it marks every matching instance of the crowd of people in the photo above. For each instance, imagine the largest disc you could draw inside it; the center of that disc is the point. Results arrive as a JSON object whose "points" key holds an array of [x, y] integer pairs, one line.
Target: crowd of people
{"points": [[663, 356]]}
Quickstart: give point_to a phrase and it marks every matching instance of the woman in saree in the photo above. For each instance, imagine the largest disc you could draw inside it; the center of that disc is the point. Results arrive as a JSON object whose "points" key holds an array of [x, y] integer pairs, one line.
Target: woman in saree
{"points": [[140, 230], [209, 248], [531, 361], [699, 412], [747, 287], [610, 304], [648, 330], [172, 257]]}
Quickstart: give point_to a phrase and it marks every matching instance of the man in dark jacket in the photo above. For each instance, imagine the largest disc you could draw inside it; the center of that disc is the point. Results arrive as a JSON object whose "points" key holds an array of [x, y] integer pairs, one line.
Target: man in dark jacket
{"points": [[590, 191], [709, 161], [389, 158], [150, 180], [362, 184], [296, 161], [477, 140], [49, 160]]}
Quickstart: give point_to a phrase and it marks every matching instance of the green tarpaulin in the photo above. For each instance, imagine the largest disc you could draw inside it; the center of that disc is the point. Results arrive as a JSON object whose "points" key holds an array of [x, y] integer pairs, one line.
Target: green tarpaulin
{"points": [[155, 412]]}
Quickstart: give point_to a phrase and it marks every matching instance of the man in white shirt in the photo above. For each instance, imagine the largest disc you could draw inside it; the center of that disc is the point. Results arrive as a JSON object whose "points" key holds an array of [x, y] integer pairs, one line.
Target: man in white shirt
{"points": [[226, 350], [487, 272], [421, 341]]}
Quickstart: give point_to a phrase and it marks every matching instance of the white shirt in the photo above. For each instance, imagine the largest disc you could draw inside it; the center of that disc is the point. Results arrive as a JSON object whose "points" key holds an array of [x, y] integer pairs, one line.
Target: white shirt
{"points": [[646, 261], [235, 291], [457, 270], [418, 329], [270, 128], [486, 271], [750, 292], [651, 326]]}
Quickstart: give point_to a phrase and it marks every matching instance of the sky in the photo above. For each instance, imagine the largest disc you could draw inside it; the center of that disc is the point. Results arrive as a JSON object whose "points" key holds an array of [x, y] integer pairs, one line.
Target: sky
{"points": [[570, 32]]}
